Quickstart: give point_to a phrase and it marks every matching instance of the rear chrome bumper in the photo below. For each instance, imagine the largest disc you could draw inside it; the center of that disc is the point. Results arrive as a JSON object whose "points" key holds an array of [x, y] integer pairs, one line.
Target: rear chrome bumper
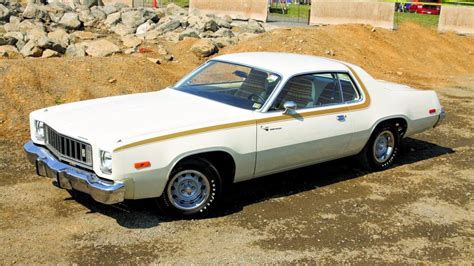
{"points": [[441, 116], [69, 177]]}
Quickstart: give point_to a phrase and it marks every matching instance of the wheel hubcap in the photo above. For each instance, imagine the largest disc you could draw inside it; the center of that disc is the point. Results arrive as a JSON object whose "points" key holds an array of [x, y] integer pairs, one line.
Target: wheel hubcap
{"points": [[188, 190], [383, 146]]}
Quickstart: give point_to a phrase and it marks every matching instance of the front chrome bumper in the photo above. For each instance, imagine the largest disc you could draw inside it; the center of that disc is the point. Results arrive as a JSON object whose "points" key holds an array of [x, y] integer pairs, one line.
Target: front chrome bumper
{"points": [[441, 117], [69, 177]]}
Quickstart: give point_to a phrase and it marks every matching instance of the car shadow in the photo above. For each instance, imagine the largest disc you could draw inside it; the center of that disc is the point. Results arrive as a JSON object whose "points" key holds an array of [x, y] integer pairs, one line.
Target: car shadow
{"points": [[144, 213]]}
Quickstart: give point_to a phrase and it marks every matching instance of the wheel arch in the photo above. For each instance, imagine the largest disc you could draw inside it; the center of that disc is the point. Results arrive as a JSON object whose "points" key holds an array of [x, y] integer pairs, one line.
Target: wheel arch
{"points": [[401, 121], [221, 159]]}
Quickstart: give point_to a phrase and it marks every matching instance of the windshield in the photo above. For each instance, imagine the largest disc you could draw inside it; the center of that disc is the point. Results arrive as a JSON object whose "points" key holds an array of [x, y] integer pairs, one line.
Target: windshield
{"points": [[232, 84]]}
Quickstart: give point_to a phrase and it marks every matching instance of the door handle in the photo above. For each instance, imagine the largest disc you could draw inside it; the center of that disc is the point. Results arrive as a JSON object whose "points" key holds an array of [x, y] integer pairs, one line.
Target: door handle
{"points": [[266, 128], [341, 118]]}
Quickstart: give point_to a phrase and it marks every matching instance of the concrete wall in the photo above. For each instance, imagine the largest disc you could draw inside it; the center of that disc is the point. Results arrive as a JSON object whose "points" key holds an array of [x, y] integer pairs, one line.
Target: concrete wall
{"points": [[375, 13], [459, 19], [237, 9]]}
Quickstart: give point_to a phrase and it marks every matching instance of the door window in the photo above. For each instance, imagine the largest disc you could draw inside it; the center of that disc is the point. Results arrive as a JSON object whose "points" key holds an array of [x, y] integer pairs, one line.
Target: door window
{"points": [[309, 91]]}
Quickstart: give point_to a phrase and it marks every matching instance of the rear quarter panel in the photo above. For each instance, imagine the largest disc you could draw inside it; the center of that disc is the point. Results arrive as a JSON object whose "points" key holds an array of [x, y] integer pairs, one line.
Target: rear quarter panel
{"points": [[391, 101]]}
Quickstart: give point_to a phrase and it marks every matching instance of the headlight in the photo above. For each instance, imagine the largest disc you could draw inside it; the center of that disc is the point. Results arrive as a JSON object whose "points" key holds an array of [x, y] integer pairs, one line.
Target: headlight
{"points": [[105, 162], [39, 130]]}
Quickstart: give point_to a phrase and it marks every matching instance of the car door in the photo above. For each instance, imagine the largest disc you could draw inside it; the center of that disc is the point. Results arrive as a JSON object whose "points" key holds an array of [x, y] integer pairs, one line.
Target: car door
{"points": [[318, 130]]}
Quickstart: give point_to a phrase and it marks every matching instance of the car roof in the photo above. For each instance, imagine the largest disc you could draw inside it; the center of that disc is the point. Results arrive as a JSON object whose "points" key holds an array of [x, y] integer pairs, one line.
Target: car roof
{"points": [[286, 64]]}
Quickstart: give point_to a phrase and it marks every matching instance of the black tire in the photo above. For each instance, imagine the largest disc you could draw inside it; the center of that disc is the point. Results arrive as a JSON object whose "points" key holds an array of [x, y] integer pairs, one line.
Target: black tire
{"points": [[367, 157], [210, 177]]}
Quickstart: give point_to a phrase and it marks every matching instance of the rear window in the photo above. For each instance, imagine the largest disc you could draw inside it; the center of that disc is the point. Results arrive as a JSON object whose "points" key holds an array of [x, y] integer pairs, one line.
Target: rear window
{"points": [[349, 91]]}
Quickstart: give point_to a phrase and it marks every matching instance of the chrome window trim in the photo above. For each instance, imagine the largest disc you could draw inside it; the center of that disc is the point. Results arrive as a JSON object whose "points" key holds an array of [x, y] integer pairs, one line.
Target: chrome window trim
{"points": [[355, 88], [265, 108]]}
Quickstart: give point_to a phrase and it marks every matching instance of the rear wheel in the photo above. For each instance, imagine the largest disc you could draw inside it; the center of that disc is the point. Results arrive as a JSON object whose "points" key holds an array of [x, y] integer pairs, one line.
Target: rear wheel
{"points": [[381, 149], [193, 189]]}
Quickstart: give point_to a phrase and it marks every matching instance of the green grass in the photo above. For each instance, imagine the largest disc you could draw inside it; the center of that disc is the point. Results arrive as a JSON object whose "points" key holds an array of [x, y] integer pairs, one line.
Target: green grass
{"points": [[424, 20], [294, 11], [163, 3]]}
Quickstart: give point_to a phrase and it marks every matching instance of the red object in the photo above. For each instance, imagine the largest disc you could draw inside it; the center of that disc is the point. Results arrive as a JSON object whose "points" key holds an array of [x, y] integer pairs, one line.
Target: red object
{"points": [[429, 9], [155, 5], [141, 165], [432, 111], [143, 50]]}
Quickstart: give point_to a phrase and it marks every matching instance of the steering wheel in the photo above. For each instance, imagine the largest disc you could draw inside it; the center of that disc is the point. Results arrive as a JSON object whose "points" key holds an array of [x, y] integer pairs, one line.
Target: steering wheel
{"points": [[253, 96]]}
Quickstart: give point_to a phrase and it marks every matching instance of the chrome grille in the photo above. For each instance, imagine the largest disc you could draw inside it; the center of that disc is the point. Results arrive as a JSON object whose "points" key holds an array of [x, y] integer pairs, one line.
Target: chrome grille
{"points": [[68, 149]]}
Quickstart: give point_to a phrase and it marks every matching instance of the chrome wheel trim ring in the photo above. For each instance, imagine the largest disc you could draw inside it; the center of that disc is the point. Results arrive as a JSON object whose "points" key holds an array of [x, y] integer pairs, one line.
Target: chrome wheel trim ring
{"points": [[384, 146], [188, 190]]}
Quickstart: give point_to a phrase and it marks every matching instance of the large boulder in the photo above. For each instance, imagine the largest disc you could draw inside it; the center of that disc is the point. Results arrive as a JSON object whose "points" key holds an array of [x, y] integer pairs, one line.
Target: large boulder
{"points": [[18, 36], [252, 26], [56, 10], [70, 20], [14, 24], [202, 23], [189, 33], [49, 53], [8, 51], [60, 38], [223, 42], [204, 48], [4, 40], [98, 13], [37, 36], [34, 11], [83, 36], [210, 25], [109, 9], [101, 48], [75, 51], [15, 35], [122, 30], [31, 49], [28, 25], [112, 19], [153, 34], [4, 13], [87, 17], [144, 28], [133, 18], [223, 32], [169, 23], [130, 41], [223, 22]]}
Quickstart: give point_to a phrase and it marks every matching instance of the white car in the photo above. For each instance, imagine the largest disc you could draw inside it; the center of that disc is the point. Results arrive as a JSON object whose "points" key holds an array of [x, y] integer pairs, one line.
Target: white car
{"points": [[237, 117]]}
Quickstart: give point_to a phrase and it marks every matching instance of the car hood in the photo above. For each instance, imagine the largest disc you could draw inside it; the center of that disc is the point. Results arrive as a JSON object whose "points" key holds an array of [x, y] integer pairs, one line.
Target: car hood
{"points": [[116, 119]]}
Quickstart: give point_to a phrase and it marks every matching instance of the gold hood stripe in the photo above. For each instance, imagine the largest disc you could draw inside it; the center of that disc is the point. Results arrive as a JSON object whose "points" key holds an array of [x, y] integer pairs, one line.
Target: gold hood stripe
{"points": [[278, 117]]}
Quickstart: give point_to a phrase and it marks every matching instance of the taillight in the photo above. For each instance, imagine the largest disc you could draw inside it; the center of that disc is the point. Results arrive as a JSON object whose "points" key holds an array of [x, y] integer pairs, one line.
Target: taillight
{"points": [[432, 111]]}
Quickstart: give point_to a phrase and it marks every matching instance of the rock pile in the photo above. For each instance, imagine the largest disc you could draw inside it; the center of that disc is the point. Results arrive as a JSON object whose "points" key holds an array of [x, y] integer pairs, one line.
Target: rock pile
{"points": [[57, 29]]}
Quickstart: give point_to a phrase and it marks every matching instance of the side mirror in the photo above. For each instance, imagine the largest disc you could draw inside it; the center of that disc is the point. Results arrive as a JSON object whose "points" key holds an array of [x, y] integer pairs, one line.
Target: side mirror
{"points": [[289, 106]]}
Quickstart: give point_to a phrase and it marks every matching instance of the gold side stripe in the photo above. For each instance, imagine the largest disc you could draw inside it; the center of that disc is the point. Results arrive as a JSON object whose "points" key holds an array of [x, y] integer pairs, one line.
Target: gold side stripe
{"points": [[280, 117]]}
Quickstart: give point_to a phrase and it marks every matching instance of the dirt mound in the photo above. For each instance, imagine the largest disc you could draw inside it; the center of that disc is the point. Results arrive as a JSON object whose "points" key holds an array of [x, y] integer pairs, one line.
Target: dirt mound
{"points": [[32, 84]]}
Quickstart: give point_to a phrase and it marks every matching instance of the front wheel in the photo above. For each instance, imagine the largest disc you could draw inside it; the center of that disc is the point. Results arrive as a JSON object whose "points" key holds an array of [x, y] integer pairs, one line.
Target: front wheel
{"points": [[193, 189], [381, 149]]}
